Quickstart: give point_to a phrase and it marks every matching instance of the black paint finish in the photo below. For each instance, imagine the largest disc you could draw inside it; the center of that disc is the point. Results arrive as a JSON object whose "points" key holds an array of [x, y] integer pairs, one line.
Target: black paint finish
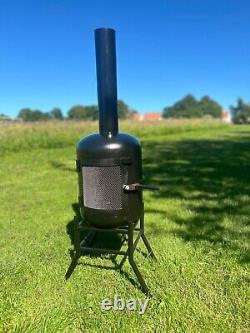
{"points": [[106, 80], [110, 148], [123, 150]]}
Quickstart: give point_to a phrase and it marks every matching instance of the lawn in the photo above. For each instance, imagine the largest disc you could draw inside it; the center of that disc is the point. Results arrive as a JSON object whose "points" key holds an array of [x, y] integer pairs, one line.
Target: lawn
{"points": [[197, 224]]}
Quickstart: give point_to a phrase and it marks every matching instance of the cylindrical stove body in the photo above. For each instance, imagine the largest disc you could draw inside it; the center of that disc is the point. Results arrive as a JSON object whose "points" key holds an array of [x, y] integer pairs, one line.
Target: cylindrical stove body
{"points": [[105, 165], [108, 161]]}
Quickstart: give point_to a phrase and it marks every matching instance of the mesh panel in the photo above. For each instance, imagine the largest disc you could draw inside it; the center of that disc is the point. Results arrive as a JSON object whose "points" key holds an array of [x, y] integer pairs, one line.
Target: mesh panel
{"points": [[102, 187]]}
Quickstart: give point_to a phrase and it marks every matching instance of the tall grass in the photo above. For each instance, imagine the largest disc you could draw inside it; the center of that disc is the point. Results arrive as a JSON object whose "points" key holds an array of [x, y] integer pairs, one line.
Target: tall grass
{"points": [[16, 136]]}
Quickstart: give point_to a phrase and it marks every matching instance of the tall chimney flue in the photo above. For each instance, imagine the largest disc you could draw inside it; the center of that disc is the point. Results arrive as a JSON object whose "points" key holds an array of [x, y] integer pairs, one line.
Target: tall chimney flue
{"points": [[106, 81]]}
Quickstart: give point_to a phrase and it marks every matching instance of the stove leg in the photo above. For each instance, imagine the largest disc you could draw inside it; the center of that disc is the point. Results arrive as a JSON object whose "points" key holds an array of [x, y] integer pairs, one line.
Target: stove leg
{"points": [[77, 254], [144, 238], [149, 248], [72, 266], [132, 262]]}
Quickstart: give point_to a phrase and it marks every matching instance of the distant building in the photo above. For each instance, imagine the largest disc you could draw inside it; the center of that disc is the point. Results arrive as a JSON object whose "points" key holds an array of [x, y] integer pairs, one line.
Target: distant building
{"points": [[151, 116], [137, 116], [226, 117]]}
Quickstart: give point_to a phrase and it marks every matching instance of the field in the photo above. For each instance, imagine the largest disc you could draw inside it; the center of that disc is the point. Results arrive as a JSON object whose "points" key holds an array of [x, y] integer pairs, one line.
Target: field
{"points": [[198, 225]]}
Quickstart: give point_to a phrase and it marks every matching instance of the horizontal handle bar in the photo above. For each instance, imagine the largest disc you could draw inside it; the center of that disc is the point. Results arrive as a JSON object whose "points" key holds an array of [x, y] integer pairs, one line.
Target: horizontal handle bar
{"points": [[136, 186]]}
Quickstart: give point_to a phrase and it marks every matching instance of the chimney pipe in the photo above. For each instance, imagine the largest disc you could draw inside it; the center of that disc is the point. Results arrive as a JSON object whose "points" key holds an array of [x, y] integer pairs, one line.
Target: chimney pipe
{"points": [[106, 81]]}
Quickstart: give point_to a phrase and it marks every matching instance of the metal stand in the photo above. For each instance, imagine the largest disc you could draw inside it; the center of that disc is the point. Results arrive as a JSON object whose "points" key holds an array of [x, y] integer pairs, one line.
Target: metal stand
{"points": [[85, 245]]}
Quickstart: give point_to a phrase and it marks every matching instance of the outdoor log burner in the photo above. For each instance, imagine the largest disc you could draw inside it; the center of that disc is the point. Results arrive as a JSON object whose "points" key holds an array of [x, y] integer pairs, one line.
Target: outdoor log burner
{"points": [[109, 171]]}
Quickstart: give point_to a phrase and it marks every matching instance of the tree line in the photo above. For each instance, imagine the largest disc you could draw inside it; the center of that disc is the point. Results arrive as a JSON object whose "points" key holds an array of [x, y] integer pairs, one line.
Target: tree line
{"points": [[77, 112], [190, 107], [187, 107]]}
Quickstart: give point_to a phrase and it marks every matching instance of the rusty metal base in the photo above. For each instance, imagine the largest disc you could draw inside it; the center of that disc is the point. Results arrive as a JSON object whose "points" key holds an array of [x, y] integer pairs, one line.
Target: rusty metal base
{"points": [[84, 246]]}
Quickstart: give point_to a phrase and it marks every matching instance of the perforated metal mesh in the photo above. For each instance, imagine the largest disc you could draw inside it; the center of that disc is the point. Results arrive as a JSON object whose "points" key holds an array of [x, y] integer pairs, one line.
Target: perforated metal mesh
{"points": [[102, 187]]}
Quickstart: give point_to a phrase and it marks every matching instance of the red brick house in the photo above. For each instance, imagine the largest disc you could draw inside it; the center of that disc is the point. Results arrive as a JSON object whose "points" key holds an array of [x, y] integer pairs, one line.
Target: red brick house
{"points": [[151, 116]]}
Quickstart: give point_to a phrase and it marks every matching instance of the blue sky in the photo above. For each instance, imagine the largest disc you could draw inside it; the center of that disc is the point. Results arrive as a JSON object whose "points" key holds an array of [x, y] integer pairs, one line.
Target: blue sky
{"points": [[165, 49]]}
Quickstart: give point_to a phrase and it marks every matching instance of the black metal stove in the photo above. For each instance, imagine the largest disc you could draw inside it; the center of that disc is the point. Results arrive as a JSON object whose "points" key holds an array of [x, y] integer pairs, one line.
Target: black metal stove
{"points": [[109, 170]]}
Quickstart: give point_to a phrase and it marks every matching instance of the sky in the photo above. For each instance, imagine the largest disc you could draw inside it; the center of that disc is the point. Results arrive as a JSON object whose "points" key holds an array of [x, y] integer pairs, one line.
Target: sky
{"points": [[165, 50]]}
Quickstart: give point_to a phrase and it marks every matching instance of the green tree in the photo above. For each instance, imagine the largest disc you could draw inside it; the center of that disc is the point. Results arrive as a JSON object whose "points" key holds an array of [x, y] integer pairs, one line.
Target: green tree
{"points": [[83, 112], [187, 107], [92, 112], [190, 107], [210, 107], [27, 114], [241, 112], [77, 112], [56, 113], [124, 112]]}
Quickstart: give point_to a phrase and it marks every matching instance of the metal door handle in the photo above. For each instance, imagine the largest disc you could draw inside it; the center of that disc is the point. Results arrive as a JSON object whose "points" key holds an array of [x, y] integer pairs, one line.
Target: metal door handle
{"points": [[136, 186]]}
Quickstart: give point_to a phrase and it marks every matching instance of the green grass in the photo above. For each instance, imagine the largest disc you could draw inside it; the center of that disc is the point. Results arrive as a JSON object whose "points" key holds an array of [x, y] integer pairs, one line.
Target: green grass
{"points": [[198, 225]]}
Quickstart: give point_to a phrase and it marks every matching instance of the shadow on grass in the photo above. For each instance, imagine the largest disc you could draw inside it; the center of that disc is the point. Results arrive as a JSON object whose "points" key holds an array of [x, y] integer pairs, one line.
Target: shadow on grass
{"points": [[61, 166], [212, 178]]}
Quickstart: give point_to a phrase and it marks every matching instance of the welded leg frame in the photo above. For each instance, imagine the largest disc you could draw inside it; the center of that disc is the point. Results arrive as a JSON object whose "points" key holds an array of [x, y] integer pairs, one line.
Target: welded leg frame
{"points": [[128, 231]]}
